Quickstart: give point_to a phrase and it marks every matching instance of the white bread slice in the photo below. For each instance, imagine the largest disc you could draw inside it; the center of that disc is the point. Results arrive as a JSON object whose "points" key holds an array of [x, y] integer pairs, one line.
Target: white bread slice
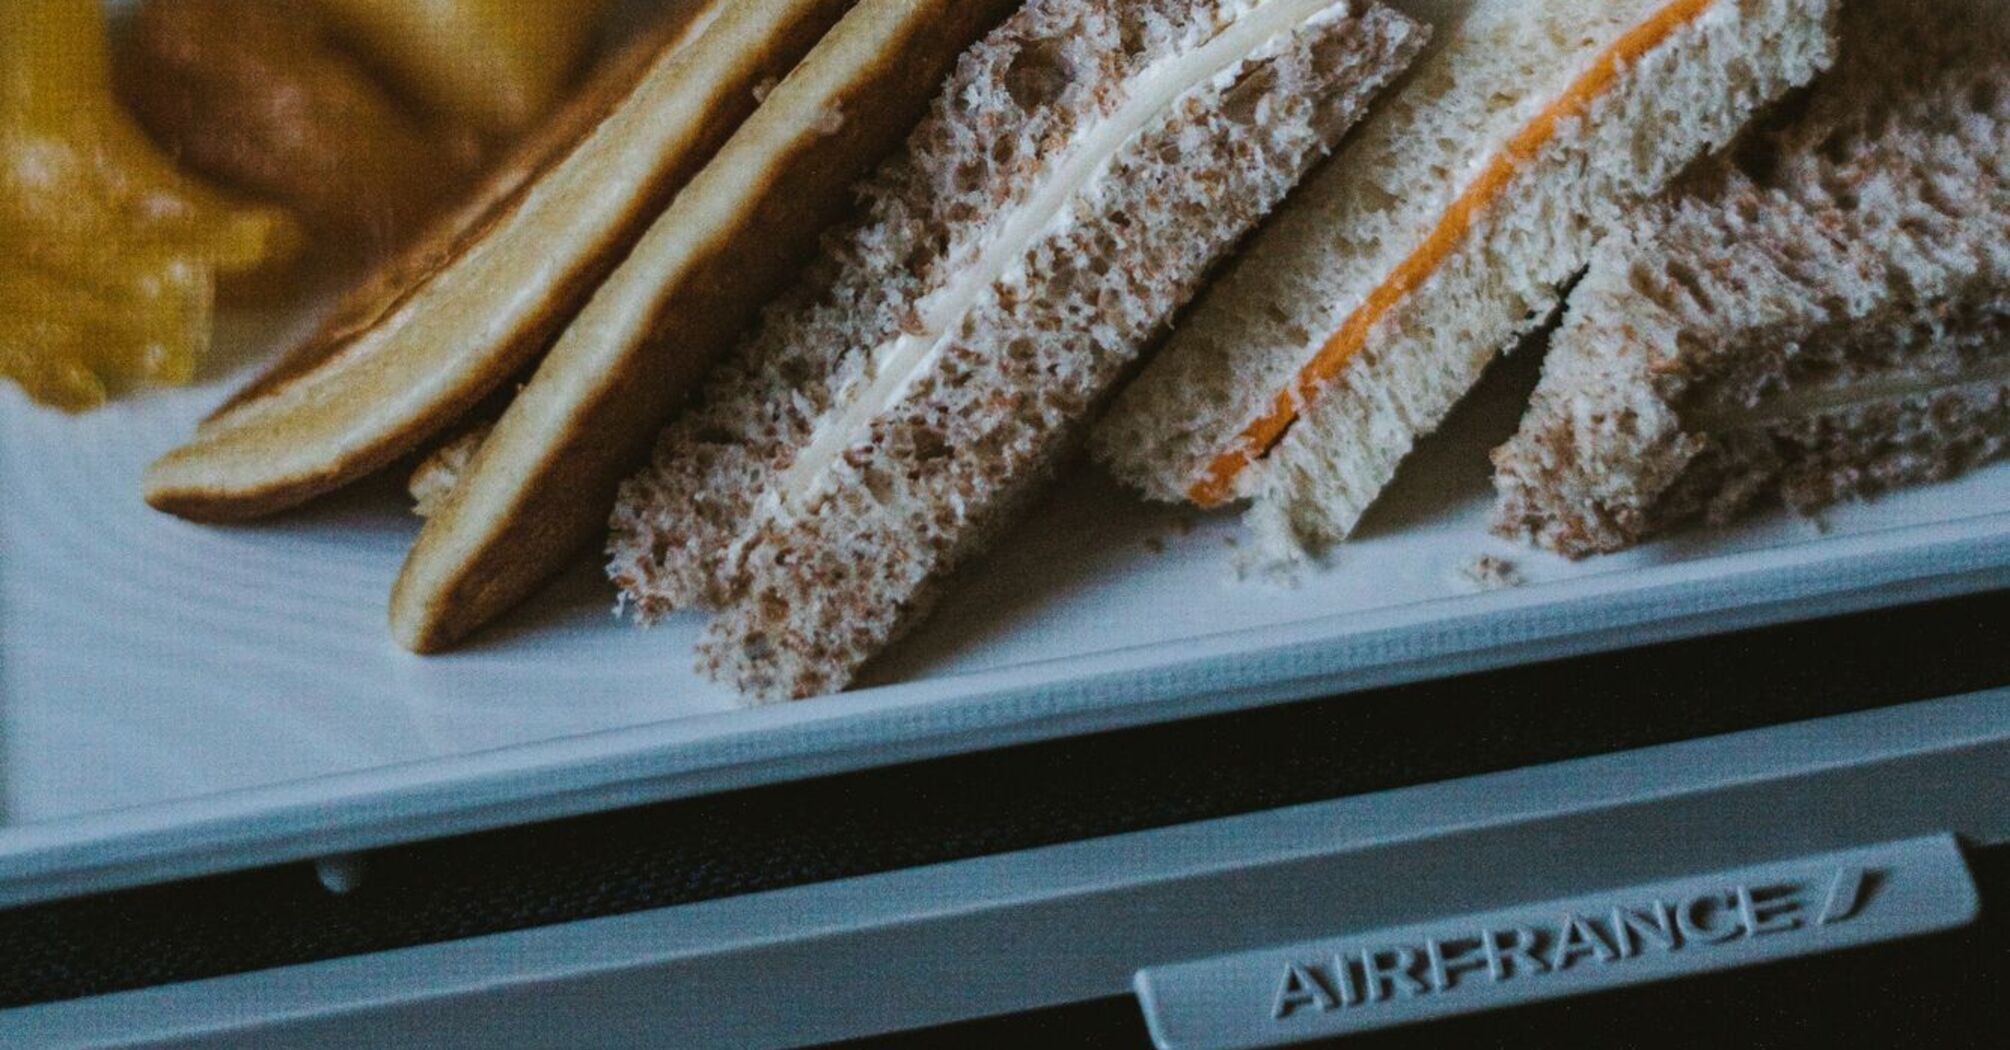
{"points": [[1084, 168], [537, 493], [1824, 312], [1396, 253], [461, 316]]}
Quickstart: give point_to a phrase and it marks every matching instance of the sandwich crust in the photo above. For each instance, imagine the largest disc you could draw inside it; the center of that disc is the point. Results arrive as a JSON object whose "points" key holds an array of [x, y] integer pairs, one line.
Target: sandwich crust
{"points": [[1446, 229], [1050, 126], [464, 312], [538, 492], [1822, 313]]}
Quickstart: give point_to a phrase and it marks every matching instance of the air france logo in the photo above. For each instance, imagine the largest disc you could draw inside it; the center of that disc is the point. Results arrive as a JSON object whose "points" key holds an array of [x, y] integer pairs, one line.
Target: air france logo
{"points": [[1352, 979]]}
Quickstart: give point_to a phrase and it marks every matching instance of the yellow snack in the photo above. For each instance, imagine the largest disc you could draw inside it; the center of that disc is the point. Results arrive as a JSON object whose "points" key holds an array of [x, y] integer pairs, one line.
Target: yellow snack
{"points": [[497, 64], [108, 255]]}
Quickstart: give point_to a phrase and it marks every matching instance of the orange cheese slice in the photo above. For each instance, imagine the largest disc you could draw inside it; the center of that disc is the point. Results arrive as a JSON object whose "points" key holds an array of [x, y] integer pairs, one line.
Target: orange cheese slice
{"points": [[1217, 486]]}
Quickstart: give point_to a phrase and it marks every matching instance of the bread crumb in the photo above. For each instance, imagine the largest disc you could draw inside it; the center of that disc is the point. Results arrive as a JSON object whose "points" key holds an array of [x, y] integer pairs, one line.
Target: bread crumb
{"points": [[765, 88], [437, 477], [1489, 573], [1284, 569], [830, 121]]}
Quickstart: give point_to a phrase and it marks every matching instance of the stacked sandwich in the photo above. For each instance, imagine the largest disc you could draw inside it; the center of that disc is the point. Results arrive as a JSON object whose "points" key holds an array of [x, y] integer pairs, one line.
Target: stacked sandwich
{"points": [[610, 260], [1825, 311], [1080, 173], [1443, 235], [1083, 172]]}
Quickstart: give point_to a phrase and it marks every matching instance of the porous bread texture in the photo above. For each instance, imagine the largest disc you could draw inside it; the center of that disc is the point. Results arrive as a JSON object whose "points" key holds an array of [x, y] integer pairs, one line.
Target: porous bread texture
{"points": [[806, 598], [1685, 98], [1814, 460], [1823, 312], [1337, 238], [1377, 202], [436, 476], [1679, 102]]}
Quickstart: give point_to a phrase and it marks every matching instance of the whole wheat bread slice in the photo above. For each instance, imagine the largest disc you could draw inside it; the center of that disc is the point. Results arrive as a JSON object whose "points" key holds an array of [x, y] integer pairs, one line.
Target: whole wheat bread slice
{"points": [[1440, 236], [535, 497], [1824, 312], [1047, 220]]}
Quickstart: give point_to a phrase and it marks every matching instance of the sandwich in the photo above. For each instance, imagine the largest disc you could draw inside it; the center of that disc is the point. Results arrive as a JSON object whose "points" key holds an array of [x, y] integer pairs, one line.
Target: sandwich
{"points": [[465, 312], [1442, 234], [535, 494], [1822, 313], [1082, 170]]}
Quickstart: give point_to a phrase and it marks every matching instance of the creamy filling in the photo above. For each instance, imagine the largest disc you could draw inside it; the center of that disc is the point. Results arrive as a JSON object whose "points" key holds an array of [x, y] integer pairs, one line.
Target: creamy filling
{"points": [[1813, 401], [896, 365]]}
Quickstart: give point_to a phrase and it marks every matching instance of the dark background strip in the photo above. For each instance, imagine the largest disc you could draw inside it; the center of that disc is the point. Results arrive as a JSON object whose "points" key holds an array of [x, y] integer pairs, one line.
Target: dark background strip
{"points": [[951, 809], [1944, 992]]}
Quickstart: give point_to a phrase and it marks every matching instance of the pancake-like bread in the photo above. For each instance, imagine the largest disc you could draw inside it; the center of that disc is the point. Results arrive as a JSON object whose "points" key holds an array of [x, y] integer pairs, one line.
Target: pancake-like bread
{"points": [[458, 317], [537, 493], [1824, 312], [1442, 235], [1082, 171], [405, 270]]}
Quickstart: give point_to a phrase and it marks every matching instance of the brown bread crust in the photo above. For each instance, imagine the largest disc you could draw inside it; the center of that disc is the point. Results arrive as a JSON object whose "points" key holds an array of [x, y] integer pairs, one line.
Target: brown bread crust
{"points": [[807, 597]]}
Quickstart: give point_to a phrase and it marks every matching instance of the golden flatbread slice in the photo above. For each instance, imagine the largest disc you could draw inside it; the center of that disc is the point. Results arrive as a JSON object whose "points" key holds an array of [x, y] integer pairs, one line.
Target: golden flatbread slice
{"points": [[474, 306], [394, 278], [540, 489]]}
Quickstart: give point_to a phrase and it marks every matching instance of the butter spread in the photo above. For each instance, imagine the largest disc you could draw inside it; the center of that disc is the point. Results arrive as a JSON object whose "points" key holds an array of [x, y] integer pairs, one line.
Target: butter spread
{"points": [[897, 364]]}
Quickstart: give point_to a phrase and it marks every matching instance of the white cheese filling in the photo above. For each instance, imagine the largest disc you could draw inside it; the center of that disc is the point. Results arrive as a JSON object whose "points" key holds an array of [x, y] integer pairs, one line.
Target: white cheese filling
{"points": [[895, 366], [1816, 401]]}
